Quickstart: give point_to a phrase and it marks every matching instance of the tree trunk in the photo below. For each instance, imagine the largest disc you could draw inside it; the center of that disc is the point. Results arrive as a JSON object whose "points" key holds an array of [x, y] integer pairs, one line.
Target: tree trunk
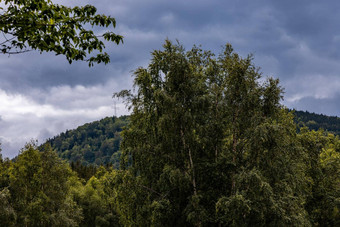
{"points": [[193, 178]]}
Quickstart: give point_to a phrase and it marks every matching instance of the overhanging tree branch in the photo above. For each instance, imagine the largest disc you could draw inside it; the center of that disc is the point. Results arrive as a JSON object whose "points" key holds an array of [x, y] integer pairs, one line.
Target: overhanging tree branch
{"points": [[44, 26]]}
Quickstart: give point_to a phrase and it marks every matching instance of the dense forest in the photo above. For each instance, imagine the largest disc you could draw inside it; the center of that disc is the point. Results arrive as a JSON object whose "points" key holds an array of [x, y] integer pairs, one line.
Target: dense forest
{"points": [[93, 143], [317, 121], [98, 142], [206, 144]]}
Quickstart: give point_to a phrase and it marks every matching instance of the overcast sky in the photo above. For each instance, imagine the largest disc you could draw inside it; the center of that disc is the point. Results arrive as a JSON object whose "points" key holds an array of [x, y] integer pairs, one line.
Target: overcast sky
{"points": [[298, 42]]}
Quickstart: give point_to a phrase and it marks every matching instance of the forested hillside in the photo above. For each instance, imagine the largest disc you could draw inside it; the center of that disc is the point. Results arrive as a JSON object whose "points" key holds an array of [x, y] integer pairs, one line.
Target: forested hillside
{"points": [[98, 142], [93, 143], [317, 121]]}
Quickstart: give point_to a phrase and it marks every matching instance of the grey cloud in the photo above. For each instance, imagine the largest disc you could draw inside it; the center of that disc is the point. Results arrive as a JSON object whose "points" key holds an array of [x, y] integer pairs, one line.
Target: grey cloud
{"points": [[320, 106], [273, 30], [45, 134], [314, 22]]}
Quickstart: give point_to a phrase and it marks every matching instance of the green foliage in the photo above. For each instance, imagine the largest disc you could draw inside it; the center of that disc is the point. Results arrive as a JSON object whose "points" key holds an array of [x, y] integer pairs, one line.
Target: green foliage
{"points": [[84, 171], [127, 197], [95, 143], [7, 213], [37, 193], [95, 201], [317, 121], [210, 144], [45, 26], [323, 200]]}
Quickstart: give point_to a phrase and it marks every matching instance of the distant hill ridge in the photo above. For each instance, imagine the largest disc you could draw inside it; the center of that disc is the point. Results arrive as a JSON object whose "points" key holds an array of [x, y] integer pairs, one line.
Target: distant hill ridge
{"points": [[317, 121], [92, 143], [98, 142]]}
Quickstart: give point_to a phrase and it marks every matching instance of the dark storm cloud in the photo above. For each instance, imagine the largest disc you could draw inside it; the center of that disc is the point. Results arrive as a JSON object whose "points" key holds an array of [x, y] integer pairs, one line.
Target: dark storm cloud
{"points": [[289, 39], [145, 25], [46, 70]]}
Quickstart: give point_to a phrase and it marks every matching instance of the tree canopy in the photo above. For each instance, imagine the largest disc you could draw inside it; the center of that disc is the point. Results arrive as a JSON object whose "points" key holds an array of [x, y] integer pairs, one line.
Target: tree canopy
{"points": [[209, 144], [95, 143], [44, 26], [317, 121]]}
